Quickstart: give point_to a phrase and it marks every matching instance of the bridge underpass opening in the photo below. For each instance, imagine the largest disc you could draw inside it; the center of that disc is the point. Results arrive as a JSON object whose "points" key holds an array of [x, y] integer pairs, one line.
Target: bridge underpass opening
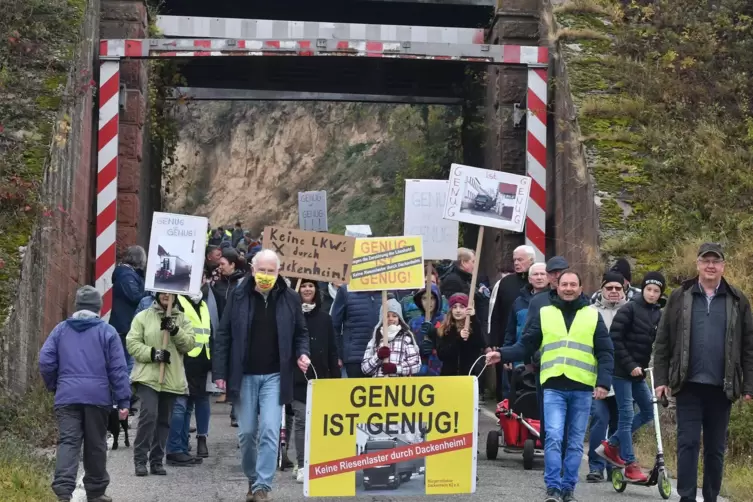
{"points": [[245, 53]]}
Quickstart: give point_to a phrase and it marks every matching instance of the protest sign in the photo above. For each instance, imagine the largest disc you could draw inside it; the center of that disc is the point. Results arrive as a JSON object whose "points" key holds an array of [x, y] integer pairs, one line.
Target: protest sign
{"points": [[414, 436], [424, 202], [176, 253], [358, 230], [382, 263], [311, 255], [489, 198], [312, 211]]}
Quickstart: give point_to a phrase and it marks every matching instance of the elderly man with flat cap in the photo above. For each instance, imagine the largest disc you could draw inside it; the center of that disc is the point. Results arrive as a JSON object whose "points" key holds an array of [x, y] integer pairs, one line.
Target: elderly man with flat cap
{"points": [[704, 356]]}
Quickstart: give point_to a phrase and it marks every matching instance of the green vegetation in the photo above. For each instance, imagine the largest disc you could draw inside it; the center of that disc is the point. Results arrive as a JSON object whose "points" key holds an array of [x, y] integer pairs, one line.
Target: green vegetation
{"points": [[26, 424], [36, 44], [664, 108]]}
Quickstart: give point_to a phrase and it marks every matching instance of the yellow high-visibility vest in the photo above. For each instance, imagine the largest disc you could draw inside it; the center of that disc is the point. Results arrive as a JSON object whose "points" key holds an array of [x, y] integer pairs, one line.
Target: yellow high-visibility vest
{"points": [[568, 353], [201, 327]]}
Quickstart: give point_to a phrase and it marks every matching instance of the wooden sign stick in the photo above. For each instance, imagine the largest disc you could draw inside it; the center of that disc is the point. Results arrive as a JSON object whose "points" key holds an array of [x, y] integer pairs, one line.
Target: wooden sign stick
{"points": [[474, 277], [165, 339], [385, 338]]}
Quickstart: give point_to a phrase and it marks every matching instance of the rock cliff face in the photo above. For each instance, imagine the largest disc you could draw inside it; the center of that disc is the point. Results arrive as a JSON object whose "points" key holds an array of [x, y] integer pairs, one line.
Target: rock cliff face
{"points": [[248, 161]]}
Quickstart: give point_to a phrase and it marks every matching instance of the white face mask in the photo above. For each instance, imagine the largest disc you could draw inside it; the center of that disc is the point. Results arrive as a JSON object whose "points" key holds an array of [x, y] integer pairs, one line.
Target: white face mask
{"points": [[197, 298]]}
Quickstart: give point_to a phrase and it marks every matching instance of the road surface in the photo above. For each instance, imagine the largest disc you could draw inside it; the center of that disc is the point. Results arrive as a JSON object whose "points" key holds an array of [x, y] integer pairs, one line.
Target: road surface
{"points": [[220, 478]]}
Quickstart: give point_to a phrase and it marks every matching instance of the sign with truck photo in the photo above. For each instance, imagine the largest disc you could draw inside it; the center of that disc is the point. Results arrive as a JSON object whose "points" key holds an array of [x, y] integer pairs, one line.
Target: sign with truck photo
{"points": [[175, 261], [391, 437], [311, 255], [384, 263], [488, 198]]}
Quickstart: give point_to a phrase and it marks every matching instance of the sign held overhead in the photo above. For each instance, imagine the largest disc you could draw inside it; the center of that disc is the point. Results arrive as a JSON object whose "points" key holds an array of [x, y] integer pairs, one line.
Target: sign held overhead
{"points": [[175, 261], [312, 211], [383, 263], [311, 255], [488, 198], [424, 201]]}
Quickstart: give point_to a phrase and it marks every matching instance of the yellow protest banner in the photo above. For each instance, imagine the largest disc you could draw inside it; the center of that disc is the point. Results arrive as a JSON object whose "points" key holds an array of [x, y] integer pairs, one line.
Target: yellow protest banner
{"points": [[382, 263], [391, 436]]}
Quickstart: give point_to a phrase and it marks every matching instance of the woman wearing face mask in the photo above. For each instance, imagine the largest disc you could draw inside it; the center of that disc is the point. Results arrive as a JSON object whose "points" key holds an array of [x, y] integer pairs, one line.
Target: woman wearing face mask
{"points": [[458, 348], [633, 332], [401, 352], [144, 342], [323, 348]]}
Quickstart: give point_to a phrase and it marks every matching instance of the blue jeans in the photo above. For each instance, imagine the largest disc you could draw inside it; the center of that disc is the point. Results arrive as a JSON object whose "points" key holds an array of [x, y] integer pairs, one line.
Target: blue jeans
{"points": [[626, 391], [259, 412], [180, 423], [603, 425], [572, 407]]}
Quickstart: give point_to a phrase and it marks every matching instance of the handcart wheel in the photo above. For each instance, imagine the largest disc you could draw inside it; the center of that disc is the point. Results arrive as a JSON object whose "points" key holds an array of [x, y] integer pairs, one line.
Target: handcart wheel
{"points": [[618, 481], [492, 445], [528, 452], [665, 486]]}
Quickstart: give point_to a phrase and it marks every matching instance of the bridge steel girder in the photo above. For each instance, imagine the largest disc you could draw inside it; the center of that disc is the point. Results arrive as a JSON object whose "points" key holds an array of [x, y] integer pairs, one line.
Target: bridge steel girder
{"points": [[113, 52], [233, 28]]}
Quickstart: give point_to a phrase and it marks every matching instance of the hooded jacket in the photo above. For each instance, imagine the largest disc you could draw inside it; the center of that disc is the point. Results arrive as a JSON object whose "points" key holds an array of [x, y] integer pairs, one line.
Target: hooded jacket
{"points": [[404, 352], [418, 320], [82, 362], [633, 332], [608, 310], [532, 338], [231, 340], [146, 334], [354, 316], [127, 291], [323, 347]]}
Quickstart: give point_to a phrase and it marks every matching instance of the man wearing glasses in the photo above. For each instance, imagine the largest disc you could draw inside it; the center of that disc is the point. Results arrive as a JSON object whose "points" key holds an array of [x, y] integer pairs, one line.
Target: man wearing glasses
{"points": [[704, 356]]}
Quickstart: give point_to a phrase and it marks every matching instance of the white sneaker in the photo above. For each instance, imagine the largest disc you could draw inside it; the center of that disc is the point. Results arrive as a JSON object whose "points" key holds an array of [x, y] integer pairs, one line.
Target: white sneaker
{"points": [[299, 476]]}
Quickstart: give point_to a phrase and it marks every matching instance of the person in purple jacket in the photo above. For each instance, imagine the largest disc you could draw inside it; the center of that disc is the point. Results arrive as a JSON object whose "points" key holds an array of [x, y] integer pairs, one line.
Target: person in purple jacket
{"points": [[83, 363]]}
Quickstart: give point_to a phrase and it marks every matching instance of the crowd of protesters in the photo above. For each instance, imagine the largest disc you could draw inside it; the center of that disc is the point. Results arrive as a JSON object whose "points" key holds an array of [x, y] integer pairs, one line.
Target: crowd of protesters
{"points": [[258, 338]]}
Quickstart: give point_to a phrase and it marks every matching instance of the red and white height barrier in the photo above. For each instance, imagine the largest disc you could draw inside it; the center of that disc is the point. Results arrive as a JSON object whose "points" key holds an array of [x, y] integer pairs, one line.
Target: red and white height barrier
{"points": [[107, 180], [536, 160]]}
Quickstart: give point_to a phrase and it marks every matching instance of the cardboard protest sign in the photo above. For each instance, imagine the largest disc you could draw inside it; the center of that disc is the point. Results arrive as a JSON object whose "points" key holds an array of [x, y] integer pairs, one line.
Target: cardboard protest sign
{"points": [[311, 255], [489, 198], [358, 230], [424, 202], [312, 211], [382, 263], [415, 436], [176, 253]]}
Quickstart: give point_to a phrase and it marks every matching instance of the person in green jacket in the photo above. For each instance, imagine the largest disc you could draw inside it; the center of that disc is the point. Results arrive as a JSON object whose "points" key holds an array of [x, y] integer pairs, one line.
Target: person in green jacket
{"points": [[144, 342]]}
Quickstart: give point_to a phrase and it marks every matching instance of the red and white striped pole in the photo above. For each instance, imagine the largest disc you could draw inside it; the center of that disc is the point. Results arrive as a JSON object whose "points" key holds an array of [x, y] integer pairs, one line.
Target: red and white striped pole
{"points": [[536, 160], [107, 180]]}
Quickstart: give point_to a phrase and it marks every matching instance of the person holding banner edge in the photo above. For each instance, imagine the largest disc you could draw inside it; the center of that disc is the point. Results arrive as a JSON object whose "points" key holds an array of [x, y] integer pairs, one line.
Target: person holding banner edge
{"points": [[577, 363]]}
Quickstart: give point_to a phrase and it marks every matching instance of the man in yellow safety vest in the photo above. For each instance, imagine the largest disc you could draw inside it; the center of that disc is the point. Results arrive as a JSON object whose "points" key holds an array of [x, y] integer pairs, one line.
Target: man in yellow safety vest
{"points": [[197, 363], [577, 361]]}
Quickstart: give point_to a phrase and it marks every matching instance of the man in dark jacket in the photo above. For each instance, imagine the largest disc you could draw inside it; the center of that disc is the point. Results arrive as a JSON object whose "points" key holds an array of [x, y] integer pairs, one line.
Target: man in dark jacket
{"points": [[576, 365], [127, 291], [82, 362], [354, 317], [324, 361], [704, 355], [537, 282], [237, 234], [262, 334]]}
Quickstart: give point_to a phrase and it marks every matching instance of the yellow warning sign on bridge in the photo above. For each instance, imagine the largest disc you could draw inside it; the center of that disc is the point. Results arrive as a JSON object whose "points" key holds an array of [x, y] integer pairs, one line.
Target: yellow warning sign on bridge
{"points": [[383, 263]]}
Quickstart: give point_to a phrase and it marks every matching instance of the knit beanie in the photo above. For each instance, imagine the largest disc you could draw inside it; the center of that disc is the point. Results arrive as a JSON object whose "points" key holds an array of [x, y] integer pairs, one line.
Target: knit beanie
{"points": [[655, 278], [612, 276], [458, 298], [622, 266], [394, 307], [88, 298]]}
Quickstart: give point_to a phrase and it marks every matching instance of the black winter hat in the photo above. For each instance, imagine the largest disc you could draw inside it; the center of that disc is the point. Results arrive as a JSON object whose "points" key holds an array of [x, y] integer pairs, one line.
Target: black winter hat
{"points": [[655, 278], [623, 266], [612, 276]]}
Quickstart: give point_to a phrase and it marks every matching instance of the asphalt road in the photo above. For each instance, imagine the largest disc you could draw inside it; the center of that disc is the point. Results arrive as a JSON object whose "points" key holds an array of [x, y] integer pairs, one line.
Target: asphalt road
{"points": [[219, 478]]}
